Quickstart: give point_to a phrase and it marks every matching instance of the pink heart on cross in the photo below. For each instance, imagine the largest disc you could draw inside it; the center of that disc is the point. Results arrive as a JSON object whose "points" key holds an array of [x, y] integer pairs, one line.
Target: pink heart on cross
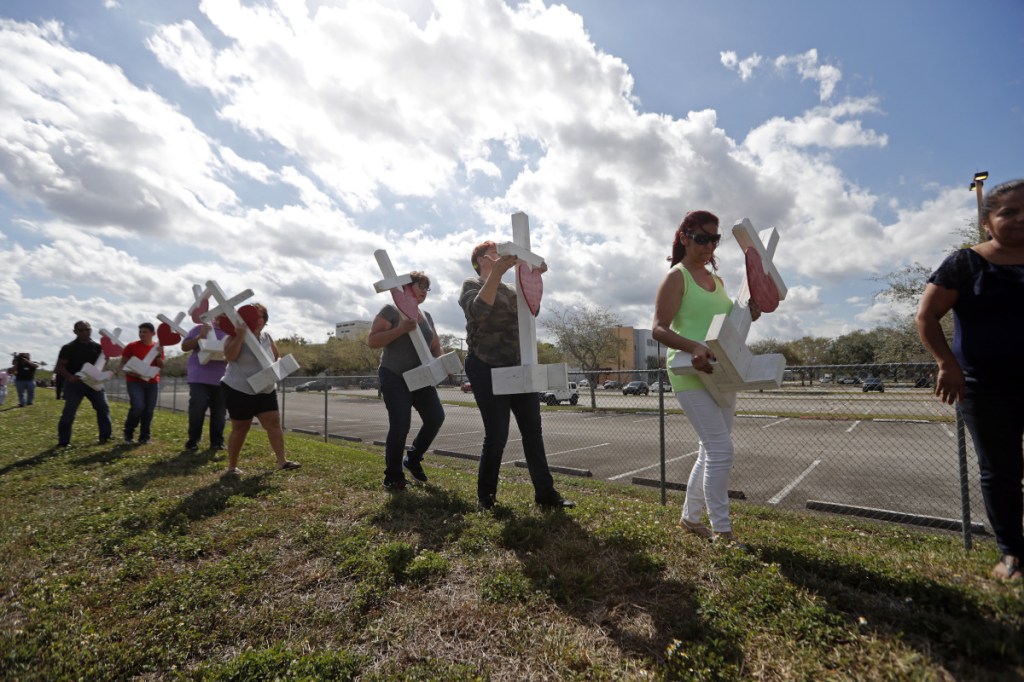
{"points": [[530, 286], [110, 349], [405, 300], [250, 314], [166, 335], [762, 287], [200, 310]]}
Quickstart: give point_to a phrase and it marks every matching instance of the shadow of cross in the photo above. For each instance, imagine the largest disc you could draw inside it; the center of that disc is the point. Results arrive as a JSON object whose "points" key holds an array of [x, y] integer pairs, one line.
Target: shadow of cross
{"points": [[272, 371], [736, 368], [528, 376], [431, 371]]}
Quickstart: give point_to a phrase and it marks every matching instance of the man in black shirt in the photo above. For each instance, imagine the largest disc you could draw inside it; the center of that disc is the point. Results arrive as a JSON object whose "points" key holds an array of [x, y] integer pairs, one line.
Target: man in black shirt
{"points": [[69, 362]]}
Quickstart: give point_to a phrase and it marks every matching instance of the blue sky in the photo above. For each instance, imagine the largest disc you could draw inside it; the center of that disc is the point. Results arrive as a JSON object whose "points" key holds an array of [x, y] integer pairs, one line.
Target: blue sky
{"points": [[271, 145]]}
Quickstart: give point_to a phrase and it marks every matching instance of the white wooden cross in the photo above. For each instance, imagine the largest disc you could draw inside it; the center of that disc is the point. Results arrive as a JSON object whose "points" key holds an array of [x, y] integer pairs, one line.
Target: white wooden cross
{"points": [[432, 370], [114, 337], [736, 368], [144, 367], [528, 376], [273, 371], [211, 347], [174, 324], [141, 367], [94, 375]]}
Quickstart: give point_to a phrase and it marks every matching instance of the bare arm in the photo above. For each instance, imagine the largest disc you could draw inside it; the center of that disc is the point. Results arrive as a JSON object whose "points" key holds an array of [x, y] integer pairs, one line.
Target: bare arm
{"points": [[383, 333], [273, 348], [193, 343], [498, 269], [62, 369], [233, 345], [936, 302], [666, 305]]}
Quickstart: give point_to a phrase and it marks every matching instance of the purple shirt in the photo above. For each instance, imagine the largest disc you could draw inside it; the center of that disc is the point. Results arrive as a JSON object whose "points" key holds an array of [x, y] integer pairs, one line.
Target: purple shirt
{"points": [[212, 371]]}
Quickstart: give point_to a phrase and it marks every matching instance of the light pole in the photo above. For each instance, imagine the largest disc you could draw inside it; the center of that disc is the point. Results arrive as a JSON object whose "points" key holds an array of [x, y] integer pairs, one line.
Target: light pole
{"points": [[979, 180]]}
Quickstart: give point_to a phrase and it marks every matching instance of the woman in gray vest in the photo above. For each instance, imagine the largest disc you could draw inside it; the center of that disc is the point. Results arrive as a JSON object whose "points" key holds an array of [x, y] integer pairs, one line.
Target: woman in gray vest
{"points": [[390, 331]]}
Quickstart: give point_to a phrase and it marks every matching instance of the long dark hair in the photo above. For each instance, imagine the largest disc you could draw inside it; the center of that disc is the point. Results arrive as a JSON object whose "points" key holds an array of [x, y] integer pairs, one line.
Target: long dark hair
{"points": [[692, 222]]}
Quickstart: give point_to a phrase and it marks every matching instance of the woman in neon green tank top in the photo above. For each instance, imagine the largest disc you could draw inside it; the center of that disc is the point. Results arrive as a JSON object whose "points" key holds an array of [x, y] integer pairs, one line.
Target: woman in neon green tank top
{"points": [[688, 298]]}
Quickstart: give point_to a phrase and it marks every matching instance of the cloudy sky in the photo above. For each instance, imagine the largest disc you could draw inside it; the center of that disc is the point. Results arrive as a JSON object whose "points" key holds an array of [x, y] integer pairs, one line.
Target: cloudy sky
{"points": [[148, 145]]}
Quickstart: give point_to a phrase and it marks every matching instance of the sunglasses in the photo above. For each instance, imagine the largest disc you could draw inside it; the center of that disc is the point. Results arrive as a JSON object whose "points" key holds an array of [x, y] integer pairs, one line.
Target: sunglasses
{"points": [[705, 239]]}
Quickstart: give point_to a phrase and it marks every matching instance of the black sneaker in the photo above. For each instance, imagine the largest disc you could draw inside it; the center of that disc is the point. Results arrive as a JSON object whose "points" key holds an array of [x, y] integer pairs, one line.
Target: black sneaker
{"points": [[395, 486], [485, 503], [191, 445], [416, 469], [554, 501]]}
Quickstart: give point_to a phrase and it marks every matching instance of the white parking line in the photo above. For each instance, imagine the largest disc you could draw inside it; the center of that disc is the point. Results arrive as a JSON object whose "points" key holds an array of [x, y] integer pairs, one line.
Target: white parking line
{"points": [[552, 454], [667, 461], [796, 481], [589, 447], [853, 427], [768, 426], [949, 433]]}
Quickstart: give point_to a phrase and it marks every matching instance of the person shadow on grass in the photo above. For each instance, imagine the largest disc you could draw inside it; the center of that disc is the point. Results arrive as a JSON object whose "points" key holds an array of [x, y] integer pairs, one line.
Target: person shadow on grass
{"points": [[942, 623], [185, 463]]}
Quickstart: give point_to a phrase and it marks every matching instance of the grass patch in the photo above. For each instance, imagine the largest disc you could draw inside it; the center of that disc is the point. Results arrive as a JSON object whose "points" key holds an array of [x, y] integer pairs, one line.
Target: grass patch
{"points": [[142, 562]]}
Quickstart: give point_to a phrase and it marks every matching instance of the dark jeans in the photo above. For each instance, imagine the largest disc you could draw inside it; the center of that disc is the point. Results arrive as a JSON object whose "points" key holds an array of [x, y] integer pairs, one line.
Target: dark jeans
{"points": [[200, 398], [399, 401], [495, 411], [74, 392], [142, 398], [26, 391], [996, 422]]}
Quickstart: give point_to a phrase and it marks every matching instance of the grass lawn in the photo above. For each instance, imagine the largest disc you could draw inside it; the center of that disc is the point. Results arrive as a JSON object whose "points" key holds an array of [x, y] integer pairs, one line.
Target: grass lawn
{"points": [[142, 562]]}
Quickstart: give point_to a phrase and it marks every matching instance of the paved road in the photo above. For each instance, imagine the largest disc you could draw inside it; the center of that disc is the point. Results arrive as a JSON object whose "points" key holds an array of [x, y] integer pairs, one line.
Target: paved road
{"points": [[892, 460]]}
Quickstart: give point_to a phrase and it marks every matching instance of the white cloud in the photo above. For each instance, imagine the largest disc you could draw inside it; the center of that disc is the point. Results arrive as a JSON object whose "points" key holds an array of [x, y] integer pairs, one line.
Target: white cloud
{"points": [[343, 129], [807, 66], [744, 67]]}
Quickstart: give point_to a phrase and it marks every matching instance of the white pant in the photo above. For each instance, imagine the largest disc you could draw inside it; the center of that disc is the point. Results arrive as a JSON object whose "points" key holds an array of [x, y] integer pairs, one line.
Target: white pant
{"points": [[709, 479]]}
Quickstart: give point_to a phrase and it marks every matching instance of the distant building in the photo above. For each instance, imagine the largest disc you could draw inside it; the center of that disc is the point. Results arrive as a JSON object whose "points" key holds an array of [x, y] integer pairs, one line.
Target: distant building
{"points": [[646, 350], [352, 329]]}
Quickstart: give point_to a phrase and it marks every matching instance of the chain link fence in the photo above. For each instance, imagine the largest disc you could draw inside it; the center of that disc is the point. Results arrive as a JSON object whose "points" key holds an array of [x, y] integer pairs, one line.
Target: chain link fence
{"points": [[866, 440]]}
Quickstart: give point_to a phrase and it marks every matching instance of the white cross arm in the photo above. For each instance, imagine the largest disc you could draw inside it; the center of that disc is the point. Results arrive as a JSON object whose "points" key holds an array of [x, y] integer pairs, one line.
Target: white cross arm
{"points": [[114, 336], [391, 280], [174, 324]]}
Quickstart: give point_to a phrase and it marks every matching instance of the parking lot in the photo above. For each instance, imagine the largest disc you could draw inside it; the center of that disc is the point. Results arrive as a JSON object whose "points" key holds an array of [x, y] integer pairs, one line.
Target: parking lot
{"points": [[880, 451]]}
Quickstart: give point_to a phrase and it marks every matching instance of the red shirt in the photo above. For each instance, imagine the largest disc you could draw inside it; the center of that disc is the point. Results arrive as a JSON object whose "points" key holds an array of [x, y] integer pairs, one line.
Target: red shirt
{"points": [[136, 349]]}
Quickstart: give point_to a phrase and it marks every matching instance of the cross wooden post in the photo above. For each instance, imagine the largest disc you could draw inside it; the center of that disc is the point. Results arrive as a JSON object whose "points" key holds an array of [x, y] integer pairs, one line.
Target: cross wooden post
{"points": [[212, 347], [528, 376], [273, 371], [736, 368], [432, 370]]}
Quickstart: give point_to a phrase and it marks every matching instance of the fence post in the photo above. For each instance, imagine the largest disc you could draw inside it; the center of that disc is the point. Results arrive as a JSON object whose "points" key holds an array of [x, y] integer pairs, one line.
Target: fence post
{"points": [[326, 391], [174, 395], [965, 493], [661, 429], [284, 393]]}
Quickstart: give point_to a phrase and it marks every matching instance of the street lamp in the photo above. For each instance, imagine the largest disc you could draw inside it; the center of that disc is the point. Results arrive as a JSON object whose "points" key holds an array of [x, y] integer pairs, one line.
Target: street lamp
{"points": [[979, 180]]}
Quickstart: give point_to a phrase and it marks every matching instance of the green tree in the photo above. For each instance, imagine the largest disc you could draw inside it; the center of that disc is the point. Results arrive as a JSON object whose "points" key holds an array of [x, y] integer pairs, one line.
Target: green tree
{"points": [[587, 335]]}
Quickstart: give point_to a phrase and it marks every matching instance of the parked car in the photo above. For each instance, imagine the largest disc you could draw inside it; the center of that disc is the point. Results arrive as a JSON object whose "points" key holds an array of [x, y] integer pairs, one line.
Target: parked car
{"points": [[316, 385], [923, 382], [612, 384], [555, 397], [369, 383], [661, 387], [636, 388], [873, 384], [467, 387], [848, 380], [583, 383]]}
